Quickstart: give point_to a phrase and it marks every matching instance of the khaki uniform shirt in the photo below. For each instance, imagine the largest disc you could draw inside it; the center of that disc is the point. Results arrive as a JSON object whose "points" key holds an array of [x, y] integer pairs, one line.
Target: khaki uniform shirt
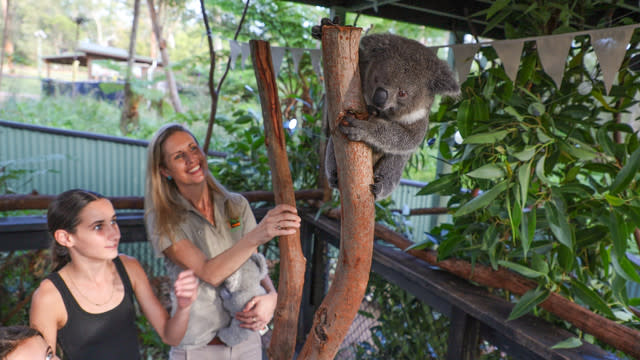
{"points": [[207, 314]]}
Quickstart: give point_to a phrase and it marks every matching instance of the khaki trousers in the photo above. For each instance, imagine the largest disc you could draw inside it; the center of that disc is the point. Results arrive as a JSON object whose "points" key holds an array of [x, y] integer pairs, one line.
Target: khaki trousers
{"points": [[251, 349]]}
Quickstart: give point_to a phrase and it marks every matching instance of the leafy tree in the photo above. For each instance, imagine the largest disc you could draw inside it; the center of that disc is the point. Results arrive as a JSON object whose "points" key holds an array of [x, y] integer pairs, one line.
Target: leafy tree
{"points": [[545, 182]]}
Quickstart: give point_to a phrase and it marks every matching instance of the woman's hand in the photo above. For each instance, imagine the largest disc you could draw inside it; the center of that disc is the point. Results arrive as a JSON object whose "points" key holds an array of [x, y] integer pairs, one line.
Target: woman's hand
{"points": [[186, 288], [258, 312], [279, 221]]}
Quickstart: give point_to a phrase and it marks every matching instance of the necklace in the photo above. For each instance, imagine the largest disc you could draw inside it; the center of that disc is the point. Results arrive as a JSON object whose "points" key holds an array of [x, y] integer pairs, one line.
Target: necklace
{"points": [[113, 290]]}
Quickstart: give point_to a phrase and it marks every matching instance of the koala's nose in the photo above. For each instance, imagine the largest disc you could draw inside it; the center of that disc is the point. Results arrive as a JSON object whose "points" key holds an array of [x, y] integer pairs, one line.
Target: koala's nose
{"points": [[380, 97]]}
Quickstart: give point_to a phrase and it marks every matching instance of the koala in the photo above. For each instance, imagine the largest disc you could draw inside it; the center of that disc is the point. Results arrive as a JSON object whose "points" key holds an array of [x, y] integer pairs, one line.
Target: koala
{"points": [[399, 79], [237, 290]]}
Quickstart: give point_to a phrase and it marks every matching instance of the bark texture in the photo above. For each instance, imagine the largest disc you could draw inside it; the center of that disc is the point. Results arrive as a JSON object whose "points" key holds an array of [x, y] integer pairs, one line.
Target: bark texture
{"points": [[355, 173], [292, 262]]}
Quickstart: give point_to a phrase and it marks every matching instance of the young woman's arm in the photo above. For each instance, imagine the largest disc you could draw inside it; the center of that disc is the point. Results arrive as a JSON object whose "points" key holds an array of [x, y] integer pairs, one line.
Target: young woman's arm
{"points": [[47, 313], [170, 329]]}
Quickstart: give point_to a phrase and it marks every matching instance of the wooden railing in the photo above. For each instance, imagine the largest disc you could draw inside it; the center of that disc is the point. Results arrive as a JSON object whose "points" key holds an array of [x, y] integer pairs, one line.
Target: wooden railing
{"points": [[474, 313]]}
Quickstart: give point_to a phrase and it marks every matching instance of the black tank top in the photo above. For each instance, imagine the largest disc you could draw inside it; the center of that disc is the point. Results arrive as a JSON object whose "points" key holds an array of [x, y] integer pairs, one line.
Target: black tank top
{"points": [[110, 335]]}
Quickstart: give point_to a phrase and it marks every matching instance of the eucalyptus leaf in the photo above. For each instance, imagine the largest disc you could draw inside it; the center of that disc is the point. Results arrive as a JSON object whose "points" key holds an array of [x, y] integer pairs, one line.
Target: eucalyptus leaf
{"points": [[463, 119], [627, 173], [536, 109], [521, 269], [540, 171], [526, 154], [527, 230], [542, 136], [439, 185], [513, 112], [570, 343], [488, 171], [559, 224], [624, 268], [448, 246], [614, 200], [524, 173], [591, 298], [527, 302], [486, 138], [618, 231], [482, 200]]}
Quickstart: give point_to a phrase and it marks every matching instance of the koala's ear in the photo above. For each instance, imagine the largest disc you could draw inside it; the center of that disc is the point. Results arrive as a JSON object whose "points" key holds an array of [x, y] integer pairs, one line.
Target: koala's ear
{"points": [[442, 81]]}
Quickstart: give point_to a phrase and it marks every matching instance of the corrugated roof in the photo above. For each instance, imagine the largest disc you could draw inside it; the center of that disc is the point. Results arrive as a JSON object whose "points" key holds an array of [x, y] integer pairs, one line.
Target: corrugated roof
{"points": [[93, 51]]}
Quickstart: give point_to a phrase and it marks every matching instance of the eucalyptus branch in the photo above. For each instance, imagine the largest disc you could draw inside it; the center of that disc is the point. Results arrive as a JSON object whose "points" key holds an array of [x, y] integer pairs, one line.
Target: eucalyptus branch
{"points": [[212, 54]]}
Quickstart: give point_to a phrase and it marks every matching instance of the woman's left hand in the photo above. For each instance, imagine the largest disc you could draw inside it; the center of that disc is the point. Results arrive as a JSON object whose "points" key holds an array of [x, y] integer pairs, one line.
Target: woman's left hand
{"points": [[258, 312], [186, 288]]}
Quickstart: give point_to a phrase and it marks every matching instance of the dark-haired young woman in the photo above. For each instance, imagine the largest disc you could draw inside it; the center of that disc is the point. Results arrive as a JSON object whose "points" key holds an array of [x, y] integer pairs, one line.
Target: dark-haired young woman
{"points": [[20, 342], [86, 305]]}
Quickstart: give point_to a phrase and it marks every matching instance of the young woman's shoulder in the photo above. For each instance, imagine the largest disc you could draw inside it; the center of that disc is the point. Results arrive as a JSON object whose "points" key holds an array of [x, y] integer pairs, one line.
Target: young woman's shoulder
{"points": [[47, 302], [133, 268]]}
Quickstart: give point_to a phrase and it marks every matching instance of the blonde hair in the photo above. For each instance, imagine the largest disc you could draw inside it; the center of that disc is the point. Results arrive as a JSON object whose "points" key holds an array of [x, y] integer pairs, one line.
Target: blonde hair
{"points": [[162, 194]]}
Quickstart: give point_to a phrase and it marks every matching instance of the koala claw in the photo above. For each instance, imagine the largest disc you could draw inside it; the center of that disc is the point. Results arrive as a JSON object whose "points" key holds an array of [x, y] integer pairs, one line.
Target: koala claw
{"points": [[333, 179], [349, 128], [376, 189], [316, 31]]}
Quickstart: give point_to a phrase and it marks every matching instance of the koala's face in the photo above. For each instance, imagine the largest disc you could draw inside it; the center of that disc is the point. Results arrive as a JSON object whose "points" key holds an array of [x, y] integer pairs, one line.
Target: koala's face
{"points": [[390, 90], [401, 76]]}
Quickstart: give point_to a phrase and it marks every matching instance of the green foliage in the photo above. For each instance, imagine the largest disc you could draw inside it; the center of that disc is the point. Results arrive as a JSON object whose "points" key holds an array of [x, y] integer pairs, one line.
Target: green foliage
{"points": [[151, 345], [246, 166], [539, 184], [21, 272]]}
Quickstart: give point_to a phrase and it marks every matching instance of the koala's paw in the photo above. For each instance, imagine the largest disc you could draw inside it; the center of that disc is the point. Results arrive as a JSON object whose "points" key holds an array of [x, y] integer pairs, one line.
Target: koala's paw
{"points": [[316, 31], [333, 179], [377, 186], [349, 127]]}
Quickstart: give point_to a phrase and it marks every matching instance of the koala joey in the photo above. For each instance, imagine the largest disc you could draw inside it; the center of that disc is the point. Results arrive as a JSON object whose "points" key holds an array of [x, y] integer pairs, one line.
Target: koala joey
{"points": [[236, 291], [399, 78]]}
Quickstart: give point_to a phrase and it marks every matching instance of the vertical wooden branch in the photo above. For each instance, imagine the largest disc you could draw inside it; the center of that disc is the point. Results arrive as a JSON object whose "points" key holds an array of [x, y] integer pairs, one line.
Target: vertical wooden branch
{"points": [[164, 53], [292, 262], [355, 173], [129, 107]]}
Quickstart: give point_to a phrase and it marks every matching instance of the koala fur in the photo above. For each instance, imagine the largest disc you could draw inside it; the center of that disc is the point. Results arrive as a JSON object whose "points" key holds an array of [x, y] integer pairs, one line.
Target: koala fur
{"points": [[237, 290], [400, 78]]}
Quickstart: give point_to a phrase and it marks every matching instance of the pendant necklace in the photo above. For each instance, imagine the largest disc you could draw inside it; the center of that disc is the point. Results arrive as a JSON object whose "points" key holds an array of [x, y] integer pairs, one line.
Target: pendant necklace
{"points": [[113, 288]]}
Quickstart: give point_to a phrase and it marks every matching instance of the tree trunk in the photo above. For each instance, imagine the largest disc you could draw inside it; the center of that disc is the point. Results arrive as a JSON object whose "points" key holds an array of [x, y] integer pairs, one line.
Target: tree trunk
{"points": [[617, 335], [292, 262], [166, 64], [5, 33], [129, 107], [355, 173]]}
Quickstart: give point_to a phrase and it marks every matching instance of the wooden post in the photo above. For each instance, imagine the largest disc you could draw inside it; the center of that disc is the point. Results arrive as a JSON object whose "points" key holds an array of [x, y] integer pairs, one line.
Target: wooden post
{"points": [[292, 262], [464, 336], [355, 173]]}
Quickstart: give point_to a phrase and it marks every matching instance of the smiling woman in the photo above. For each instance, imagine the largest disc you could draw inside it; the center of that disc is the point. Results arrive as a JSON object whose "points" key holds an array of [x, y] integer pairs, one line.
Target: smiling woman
{"points": [[197, 224], [86, 305]]}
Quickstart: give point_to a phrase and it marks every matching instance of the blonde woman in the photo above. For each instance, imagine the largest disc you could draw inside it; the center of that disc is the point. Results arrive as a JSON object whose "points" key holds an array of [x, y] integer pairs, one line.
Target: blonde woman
{"points": [[195, 223]]}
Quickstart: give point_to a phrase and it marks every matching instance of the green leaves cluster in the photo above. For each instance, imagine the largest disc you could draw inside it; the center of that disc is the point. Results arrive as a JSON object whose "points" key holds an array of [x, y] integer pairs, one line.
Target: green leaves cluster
{"points": [[545, 181]]}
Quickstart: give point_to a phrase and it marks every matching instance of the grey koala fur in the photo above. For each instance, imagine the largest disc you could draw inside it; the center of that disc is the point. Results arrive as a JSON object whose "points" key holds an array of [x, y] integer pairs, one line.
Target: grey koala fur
{"points": [[400, 78], [237, 290]]}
